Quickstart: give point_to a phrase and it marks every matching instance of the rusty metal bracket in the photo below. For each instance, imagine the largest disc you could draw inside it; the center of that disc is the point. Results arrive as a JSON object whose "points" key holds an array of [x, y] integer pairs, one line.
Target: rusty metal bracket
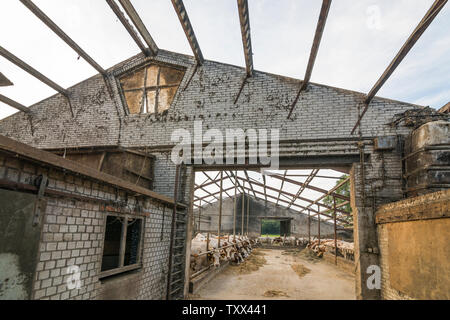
{"points": [[41, 203]]}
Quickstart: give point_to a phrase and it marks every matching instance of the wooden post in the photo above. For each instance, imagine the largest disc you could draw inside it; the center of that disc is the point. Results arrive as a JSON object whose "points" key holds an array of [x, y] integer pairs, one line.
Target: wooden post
{"points": [[335, 232], [235, 203], [309, 226], [199, 215], [248, 210], [242, 205], [207, 242], [318, 225], [220, 209]]}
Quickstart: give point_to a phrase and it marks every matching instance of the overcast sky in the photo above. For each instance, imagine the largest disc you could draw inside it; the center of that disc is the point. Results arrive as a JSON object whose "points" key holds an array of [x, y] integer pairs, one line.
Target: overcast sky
{"points": [[360, 39]]}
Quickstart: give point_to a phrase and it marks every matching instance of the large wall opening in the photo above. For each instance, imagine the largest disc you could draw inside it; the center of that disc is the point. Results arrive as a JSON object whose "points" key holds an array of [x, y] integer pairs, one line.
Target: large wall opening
{"points": [[295, 208]]}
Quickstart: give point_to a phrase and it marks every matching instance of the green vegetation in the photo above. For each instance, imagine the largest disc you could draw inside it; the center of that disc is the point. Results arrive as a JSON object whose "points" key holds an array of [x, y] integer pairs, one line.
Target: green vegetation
{"points": [[270, 228], [345, 191]]}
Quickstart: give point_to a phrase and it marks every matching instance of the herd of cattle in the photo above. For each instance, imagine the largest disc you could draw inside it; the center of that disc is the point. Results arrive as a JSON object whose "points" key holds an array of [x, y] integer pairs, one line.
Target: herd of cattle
{"points": [[206, 250], [345, 248]]}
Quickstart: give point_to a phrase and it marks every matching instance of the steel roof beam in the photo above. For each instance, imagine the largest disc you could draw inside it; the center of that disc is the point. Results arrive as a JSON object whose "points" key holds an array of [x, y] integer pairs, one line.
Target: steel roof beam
{"points": [[143, 31], [47, 21], [416, 34], [24, 66], [14, 104], [178, 5], [244, 19], [121, 16], [314, 49]]}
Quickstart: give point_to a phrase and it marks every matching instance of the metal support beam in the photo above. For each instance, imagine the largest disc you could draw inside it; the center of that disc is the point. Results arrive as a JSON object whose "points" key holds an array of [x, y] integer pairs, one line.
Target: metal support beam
{"points": [[178, 5], [281, 187], [121, 16], [21, 64], [416, 34], [14, 104], [140, 26], [289, 195], [311, 176], [326, 192], [244, 19], [49, 23], [314, 49], [216, 182], [332, 193], [250, 184]]}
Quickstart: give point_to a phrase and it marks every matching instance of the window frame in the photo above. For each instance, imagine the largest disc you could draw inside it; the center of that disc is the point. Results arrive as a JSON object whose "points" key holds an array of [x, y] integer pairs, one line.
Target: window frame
{"points": [[155, 88], [123, 237]]}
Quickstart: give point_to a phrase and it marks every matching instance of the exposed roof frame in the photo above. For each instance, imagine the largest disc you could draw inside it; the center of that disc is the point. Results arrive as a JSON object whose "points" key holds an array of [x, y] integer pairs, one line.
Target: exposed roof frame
{"points": [[24, 66], [311, 176], [291, 195], [244, 19], [140, 26], [121, 16], [235, 180], [326, 192], [14, 104], [47, 21], [416, 34], [281, 187], [217, 184], [314, 50], [332, 193], [285, 201], [249, 182], [178, 5]]}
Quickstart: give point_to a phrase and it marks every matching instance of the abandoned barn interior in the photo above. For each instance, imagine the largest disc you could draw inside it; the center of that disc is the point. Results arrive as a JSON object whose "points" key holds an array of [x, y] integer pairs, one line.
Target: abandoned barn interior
{"points": [[93, 206]]}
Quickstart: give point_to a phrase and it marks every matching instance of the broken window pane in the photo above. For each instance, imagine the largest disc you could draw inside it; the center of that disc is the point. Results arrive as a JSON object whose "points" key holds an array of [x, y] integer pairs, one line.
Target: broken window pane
{"points": [[111, 247], [165, 98], [133, 81], [170, 76], [134, 101], [151, 101], [146, 82], [152, 76], [133, 241]]}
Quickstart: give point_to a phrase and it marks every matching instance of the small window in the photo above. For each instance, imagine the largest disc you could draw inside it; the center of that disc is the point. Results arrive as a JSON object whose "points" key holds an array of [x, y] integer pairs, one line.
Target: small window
{"points": [[122, 244], [151, 89]]}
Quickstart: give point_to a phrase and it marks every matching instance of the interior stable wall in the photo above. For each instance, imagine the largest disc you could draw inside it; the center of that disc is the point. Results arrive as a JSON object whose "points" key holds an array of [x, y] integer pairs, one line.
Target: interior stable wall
{"points": [[413, 236], [259, 209], [73, 232]]}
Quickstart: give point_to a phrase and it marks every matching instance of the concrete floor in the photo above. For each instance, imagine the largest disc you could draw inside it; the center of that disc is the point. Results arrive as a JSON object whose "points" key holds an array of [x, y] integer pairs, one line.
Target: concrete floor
{"points": [[323, 282]]}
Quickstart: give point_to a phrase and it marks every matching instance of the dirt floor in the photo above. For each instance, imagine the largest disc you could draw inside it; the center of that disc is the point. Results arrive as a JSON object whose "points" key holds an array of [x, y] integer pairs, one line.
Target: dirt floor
{"points": [[282, 276]]}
